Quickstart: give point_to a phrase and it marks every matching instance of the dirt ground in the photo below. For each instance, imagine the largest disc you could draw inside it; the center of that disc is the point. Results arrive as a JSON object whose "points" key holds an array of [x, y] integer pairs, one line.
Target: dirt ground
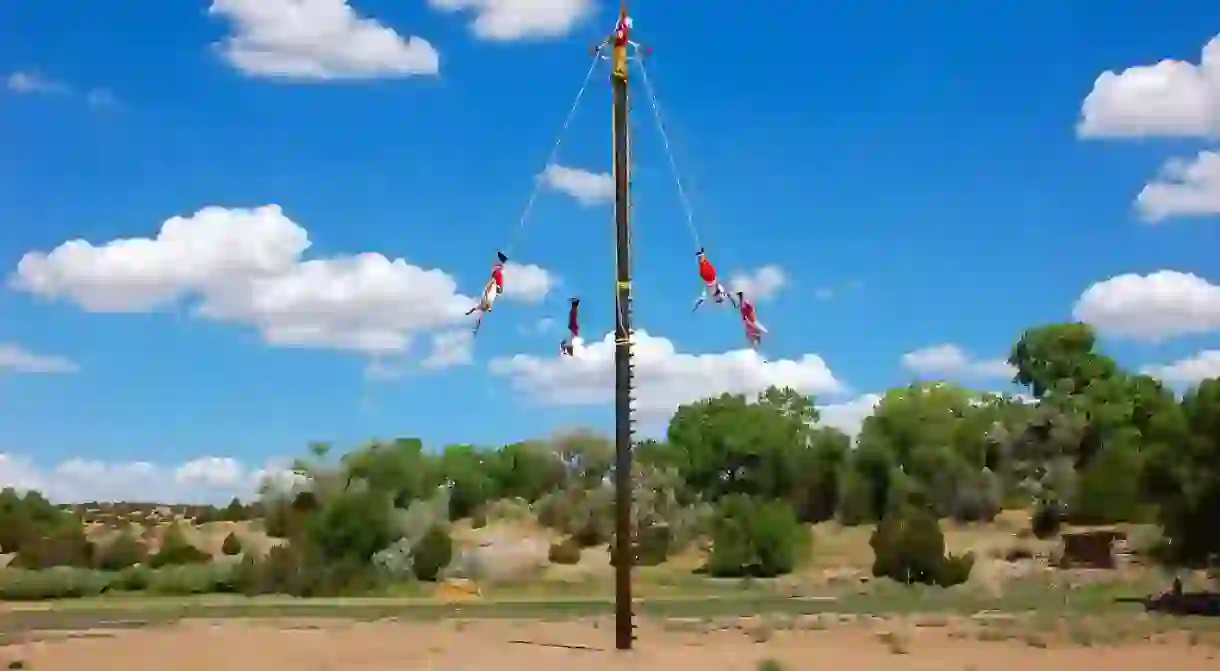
{"points": [[547, 646]]}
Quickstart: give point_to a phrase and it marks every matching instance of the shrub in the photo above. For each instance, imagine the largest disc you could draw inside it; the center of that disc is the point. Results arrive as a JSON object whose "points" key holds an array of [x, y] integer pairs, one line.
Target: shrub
{"points": [[187, 580], [133, 579], [66, 546], [759, 539], [909, 547], [566, 551], [124, 551], [432, 553], [1047, 520], [176, 550], [61, 582], [231, 545], [955, 569], [653, 544]]}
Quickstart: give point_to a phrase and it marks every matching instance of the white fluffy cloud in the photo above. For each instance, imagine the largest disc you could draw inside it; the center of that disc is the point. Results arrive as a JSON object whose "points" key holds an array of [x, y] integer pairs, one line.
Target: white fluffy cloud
{"points": [[665, 378], [1185, 188], [17, 359], [527, 283], [207, 479], [245, 266], [452, 348], [849, 415], [317, 40], [1191, 370], [511, 20], [1170, 99], [27, 82], [762, 284], [1151, 307], [588, 188], [952, 361]]}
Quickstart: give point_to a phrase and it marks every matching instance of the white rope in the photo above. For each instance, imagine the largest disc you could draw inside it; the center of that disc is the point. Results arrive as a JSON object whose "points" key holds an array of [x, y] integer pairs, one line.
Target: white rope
{"points": [[673, 165], [563, 131]]}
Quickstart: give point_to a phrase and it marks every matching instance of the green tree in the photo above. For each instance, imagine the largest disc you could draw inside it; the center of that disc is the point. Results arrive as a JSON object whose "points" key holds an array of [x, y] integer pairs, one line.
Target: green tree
{"points": [[1190, 508], [399, 469], [464, 469], [729, 445], [355, 524], [432, 554], [234, 512], [755, 538], [525, 470]]}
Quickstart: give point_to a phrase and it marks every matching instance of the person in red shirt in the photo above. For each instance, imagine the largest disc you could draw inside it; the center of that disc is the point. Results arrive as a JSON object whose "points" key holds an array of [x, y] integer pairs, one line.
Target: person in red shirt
{"points": [[573, 341], [749, 318], [712, 287], [491, 290]]}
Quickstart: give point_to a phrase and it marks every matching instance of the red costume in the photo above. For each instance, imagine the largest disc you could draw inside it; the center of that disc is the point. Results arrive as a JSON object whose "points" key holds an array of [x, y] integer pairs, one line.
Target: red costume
{"points": [[622, 31], [497, 276], [707, 271], [747, 313]]}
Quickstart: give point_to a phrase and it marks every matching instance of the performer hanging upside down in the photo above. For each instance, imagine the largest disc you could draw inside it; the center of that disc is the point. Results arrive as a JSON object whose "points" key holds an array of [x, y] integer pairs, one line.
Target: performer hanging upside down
{"points": [[491, 291], [749, 318], [712, 289], [573, 341]]}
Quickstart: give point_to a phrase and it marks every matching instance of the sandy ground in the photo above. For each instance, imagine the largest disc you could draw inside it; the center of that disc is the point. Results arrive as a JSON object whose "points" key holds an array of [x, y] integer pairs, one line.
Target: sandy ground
{"points": [[542, 646]]}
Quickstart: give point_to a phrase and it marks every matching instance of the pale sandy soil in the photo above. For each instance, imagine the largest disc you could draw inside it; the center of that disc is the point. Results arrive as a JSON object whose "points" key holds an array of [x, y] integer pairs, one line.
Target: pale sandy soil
{"points": [[540, 646]]}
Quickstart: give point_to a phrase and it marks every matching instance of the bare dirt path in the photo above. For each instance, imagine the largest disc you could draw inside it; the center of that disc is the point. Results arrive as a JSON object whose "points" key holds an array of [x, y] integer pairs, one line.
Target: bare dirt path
{"points": [[554, 646]]}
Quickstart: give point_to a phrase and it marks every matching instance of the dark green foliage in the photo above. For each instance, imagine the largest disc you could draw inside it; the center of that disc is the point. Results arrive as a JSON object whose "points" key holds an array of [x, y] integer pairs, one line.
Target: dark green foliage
{"points": [[63, 546], [653, 545], [355, 525], [566, 551], [28, 517], [231, 545], [133, 579], [1108, 491], [909, 547], [432, 554], [1047, 520], [124, 551], [234, 512], [177, 550], [755, 538]]}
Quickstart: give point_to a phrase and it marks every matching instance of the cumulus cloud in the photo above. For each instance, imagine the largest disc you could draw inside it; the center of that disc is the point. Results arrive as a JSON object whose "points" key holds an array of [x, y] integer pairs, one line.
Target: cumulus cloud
{"points": [[665, 378], [512, 20], [527, 283], [453, 348], [31, 83], [949, 360], [1191, 370], [1185, 188], [17, 359], [849, 415], [207, 479], [1151, 307], [1170, 99], [588, 188], [760, 285], [317, 40], [245, 266]]}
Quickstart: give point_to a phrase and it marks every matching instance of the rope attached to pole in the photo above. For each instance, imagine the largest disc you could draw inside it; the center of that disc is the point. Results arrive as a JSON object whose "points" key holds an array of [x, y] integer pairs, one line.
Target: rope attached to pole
{"points": [[673, 165], [554, 154]]}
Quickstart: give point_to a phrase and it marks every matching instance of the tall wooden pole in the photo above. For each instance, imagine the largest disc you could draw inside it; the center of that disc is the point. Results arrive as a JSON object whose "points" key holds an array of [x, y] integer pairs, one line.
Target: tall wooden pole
{"points": [[624, 551]]}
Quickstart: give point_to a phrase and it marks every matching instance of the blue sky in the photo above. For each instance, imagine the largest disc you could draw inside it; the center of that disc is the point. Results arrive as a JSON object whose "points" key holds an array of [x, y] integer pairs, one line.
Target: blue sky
{"points": [[918, 177]]}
